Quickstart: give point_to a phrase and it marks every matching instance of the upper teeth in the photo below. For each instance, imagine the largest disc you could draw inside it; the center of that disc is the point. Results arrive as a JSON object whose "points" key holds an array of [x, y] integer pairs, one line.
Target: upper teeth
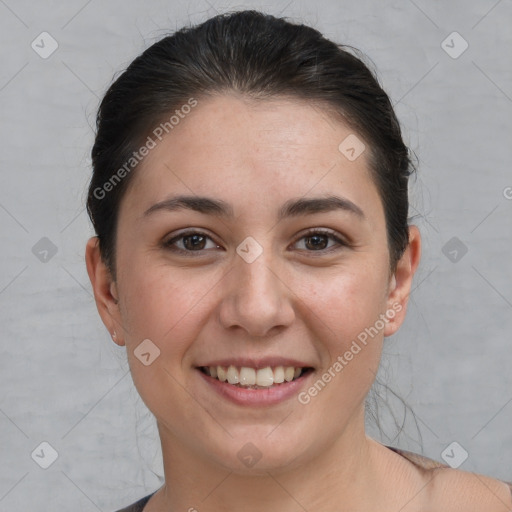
{"points": [[250, 376]]}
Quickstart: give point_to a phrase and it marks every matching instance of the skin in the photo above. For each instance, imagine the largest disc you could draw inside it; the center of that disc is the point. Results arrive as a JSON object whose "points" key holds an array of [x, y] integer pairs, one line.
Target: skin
{"points": [[293, 300]]}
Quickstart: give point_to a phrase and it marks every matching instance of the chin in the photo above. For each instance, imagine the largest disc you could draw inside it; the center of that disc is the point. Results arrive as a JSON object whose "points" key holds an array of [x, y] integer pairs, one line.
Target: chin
{"points": [[257, 455]]}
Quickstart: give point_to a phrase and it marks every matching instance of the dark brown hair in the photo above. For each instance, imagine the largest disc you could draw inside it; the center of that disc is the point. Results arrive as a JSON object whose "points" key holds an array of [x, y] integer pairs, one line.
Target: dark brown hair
{"points": [[260, 56]]}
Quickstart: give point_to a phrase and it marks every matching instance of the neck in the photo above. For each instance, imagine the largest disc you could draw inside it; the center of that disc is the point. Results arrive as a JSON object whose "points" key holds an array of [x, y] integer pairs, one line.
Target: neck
{"points": [[344, 472]]}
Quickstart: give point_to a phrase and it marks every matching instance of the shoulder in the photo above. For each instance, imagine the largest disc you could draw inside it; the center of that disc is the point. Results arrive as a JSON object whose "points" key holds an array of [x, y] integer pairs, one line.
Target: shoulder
{"points": [[457, 490], [467, 491]]}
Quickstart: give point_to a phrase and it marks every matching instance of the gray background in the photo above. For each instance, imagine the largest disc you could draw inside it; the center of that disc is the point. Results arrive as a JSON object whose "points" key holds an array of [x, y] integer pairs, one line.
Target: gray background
{"points": [[63, 380]]}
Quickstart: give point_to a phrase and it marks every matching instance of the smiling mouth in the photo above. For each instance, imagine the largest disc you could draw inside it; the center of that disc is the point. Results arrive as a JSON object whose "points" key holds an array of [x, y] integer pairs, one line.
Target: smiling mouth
{"points": [[252, 378]]}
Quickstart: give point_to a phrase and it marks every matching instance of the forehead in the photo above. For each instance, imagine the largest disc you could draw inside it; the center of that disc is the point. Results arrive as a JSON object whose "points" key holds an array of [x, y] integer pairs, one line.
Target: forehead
{"points": [[242, 150]]}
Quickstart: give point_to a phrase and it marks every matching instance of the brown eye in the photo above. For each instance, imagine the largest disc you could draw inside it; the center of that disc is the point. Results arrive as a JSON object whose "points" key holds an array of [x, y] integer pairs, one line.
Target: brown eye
{"points": [[318, 240], [194, 242], [189, 242]]}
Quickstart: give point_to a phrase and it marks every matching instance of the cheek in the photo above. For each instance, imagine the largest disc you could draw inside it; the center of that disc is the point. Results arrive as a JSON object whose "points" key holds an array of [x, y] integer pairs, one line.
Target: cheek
{"points": [[168, 308], [345, 312], [346, 303], [164, 306]]}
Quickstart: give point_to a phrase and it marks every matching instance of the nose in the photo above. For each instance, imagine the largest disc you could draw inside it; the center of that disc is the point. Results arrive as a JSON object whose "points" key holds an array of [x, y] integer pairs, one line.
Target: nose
{"points": [[256, 298]]}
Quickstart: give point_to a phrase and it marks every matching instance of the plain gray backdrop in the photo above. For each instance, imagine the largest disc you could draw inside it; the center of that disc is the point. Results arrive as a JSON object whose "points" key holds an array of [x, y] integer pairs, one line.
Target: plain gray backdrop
{"points": [[64, 382]]}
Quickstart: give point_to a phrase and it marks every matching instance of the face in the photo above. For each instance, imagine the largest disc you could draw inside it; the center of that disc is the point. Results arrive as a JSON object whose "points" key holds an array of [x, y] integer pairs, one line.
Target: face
{"points": [[278, 257]]}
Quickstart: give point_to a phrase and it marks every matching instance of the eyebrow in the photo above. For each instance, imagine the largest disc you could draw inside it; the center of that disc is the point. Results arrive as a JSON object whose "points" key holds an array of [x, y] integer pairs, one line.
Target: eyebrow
{"points": [[292, 207]]}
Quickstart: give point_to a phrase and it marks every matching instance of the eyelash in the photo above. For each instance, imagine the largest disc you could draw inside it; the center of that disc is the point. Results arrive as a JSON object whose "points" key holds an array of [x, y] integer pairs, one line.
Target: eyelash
{"points": [[323, 232]]}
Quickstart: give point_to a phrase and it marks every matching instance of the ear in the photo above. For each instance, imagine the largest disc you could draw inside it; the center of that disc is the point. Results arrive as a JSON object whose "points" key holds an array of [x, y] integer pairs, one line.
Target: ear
{"points": [[105, 290], [400, 283]]}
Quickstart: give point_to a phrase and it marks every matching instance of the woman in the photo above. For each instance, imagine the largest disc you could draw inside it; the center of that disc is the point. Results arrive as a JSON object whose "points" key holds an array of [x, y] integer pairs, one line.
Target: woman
{"points": [[250, 202]]}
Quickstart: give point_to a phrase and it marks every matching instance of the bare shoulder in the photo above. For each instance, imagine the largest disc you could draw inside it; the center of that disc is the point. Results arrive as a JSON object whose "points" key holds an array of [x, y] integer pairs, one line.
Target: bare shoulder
{"points": [[454, 490], [438, 487]]}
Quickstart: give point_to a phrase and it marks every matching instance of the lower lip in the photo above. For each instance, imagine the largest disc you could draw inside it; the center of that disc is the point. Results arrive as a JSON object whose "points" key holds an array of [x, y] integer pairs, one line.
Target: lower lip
{"points": [[257, 397]]}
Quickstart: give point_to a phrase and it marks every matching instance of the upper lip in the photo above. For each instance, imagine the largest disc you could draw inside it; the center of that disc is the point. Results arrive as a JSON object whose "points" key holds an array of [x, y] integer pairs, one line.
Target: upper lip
{"points": [[257, 363]]}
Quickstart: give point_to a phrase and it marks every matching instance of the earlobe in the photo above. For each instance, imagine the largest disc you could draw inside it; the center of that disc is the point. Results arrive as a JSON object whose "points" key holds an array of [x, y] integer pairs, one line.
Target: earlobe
{"points": [[104, 288], [400, 285]]}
